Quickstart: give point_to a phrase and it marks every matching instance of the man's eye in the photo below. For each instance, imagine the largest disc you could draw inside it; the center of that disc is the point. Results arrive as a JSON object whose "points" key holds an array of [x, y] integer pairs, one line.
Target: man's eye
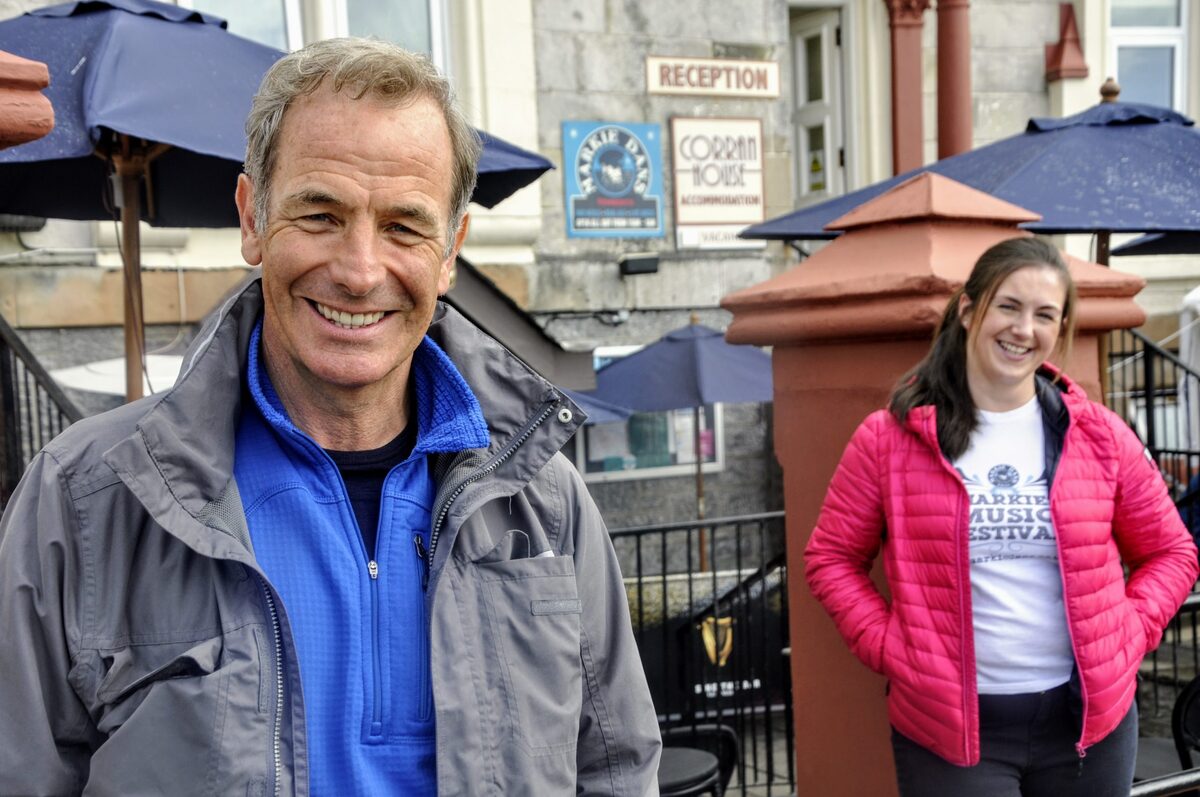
{"points": [[318, 217]]}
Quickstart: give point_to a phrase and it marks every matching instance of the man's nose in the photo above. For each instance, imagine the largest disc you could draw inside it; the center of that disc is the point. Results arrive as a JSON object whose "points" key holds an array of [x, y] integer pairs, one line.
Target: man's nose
{"points": [[358, 265]]}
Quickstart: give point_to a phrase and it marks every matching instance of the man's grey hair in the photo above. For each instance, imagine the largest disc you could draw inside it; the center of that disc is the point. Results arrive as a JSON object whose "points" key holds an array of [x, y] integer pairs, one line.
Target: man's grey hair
{"points": [[359, 68]]}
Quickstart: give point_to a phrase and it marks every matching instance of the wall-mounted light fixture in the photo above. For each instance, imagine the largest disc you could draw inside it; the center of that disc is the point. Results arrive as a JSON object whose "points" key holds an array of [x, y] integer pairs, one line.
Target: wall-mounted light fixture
{"points": [[638, 263]]}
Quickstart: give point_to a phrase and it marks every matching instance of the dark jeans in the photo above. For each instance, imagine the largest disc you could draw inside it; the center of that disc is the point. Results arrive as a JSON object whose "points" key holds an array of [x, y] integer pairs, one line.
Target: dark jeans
{"points": [[1027, 745]]}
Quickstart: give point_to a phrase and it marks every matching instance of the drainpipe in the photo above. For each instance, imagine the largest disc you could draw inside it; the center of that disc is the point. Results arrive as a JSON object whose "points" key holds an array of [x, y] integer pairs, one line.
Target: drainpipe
{"points": [[953, 77], [908, 138]]}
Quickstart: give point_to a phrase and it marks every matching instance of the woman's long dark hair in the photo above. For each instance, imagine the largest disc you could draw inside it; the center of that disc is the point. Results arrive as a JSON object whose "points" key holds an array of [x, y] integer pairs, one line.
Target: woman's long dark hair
{"points": [[940, 378]]}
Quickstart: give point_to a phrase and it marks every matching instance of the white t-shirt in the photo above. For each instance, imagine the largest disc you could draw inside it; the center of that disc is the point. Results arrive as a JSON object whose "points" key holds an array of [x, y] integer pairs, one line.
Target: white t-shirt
{"points": [[1021, 639]]}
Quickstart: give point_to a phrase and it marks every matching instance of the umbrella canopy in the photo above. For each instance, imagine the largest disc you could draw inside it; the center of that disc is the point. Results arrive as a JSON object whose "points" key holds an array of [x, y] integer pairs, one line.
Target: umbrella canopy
{"points": [[1116, 167], [688, 367], [165, 75], [1161, 243], [150, 101], [597, 411]]}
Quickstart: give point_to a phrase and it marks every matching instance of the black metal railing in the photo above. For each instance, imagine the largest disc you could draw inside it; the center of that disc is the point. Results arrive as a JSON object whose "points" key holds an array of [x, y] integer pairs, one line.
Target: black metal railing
{"points": [[1177, 783], [1158, 395], [714, 642], [33, 409]]}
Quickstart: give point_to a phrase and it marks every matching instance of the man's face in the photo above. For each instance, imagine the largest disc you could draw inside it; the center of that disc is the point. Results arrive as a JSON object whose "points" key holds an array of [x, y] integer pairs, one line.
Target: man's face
{"points": [[353, 251]]}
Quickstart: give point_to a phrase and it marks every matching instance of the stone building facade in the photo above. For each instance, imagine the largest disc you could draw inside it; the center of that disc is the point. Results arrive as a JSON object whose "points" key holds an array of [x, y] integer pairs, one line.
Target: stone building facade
{"points": [[527, 70]]}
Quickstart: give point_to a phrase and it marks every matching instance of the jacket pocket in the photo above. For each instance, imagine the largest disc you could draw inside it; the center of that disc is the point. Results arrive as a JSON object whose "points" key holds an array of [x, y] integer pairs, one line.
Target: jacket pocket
{"points": [[533, 613], [137, 667], [181, 717]]}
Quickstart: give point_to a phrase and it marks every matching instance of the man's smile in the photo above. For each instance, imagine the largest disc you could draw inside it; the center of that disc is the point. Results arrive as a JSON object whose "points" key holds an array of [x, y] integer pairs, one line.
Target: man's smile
{"points": [[349, 320]]}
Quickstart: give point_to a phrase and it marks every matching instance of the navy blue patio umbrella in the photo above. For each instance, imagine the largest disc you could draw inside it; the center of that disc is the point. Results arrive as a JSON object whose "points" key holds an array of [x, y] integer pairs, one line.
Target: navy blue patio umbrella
{"points": [[597, 411], [1116, 167], [150, 101], [1161, 243], [687, 368]]}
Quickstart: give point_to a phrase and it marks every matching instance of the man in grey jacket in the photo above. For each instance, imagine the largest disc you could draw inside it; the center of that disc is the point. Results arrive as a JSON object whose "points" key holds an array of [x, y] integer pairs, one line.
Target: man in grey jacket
{"points": [[343, 554]]}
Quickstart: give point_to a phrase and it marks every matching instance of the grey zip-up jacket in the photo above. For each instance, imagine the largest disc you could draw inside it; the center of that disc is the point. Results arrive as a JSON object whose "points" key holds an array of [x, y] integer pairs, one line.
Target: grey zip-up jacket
{"points": [[143, 651]]}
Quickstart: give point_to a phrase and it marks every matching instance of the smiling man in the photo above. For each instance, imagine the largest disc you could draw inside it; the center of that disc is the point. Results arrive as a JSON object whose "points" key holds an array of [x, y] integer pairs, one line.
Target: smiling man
{"points": [[343, 554]]}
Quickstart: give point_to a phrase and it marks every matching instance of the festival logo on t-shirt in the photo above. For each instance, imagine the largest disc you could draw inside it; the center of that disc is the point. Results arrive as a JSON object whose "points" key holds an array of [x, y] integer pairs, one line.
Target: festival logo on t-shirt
{"points": [[1010, 516]]}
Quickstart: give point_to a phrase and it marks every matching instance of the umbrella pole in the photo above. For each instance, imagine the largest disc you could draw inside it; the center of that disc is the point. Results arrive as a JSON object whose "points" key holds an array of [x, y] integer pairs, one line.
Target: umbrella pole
{"points": [[700, 489], [130, 170]]}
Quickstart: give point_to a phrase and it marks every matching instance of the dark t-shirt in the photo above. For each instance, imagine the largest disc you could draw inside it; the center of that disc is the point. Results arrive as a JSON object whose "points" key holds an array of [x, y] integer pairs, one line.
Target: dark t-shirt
{"points": [[364, 472]]}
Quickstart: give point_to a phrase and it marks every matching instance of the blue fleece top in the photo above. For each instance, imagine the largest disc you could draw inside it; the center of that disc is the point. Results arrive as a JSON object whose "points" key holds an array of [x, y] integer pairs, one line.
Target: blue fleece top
{"points": [[359, 627]]}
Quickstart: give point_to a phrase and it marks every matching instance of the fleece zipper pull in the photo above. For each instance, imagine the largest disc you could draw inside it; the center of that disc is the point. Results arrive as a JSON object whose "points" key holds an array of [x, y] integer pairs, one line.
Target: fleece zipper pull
{"points": [[419, 544]]}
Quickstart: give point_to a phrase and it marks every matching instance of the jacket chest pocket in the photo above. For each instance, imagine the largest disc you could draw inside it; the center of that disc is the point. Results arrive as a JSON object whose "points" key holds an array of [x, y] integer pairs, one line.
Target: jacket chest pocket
{"points": [[533, 610]]}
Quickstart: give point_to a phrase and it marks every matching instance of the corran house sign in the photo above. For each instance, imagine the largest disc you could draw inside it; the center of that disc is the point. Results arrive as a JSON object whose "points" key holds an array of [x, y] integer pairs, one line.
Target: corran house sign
{"points": [[715, 77], [717, 165]]}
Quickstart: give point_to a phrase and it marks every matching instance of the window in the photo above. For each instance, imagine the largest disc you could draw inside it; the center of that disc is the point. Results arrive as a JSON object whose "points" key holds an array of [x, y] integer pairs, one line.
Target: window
{"points": [[1147, 45], [417, 25], [649, 444], [818, 116], [275, 23]]}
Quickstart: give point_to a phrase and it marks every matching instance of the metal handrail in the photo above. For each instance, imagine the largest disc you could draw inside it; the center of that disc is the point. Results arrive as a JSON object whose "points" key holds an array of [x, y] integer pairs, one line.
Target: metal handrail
{"points": [[44, 381], [691, 524], [33, 408], [1166, 785]]}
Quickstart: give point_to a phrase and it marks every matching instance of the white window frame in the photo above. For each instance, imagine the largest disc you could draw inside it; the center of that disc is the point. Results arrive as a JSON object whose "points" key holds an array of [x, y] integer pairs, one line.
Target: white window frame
{"points": [[834, 120], [1173, 37], [661, 472], [292, 20], [438, 28]]}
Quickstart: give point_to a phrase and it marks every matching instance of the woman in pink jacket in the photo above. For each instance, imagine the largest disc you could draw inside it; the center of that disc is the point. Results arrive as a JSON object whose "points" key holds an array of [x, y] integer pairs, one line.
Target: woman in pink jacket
{"points": [[1008, 508]]}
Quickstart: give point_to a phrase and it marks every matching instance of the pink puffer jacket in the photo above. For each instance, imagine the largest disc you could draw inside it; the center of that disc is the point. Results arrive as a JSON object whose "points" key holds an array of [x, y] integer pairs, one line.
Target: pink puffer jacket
{"points": [[1109, 506]]}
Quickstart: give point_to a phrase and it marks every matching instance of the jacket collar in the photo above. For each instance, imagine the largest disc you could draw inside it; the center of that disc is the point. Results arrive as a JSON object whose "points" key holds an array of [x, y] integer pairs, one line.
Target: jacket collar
{"points": [[448, 415], [179, 460], [1057, 394]]}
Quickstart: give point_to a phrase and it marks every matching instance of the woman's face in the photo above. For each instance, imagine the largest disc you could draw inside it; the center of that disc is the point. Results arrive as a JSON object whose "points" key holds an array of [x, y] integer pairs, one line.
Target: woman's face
{"points": [[1013, 336]]}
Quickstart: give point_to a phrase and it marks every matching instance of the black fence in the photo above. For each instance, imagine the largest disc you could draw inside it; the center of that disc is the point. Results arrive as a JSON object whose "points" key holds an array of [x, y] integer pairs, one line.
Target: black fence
{"points": [[1159, 397], [714, 642], [33, 409]]}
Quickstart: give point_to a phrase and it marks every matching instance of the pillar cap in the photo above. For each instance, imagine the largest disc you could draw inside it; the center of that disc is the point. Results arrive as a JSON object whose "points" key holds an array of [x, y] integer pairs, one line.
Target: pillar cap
{"points": [[25, 113], [932, 196], [902, 256]]}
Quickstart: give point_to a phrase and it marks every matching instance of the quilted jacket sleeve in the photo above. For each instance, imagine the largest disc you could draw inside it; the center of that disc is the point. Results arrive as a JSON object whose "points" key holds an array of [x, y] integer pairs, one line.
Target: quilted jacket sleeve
{"points": [[846, 541], [1150, 535]]}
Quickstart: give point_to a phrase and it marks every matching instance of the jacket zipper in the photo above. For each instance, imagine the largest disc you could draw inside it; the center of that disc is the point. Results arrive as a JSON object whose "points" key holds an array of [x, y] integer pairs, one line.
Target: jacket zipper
{"points": [[377, 666], [277, 636], [495, 463], [426, 692], [1062, 574], [966, 626], [966, 636]]}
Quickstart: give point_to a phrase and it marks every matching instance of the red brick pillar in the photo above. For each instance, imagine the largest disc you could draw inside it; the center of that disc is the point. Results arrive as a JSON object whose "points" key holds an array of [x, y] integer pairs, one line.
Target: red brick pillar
{"points": [[908, 138], [25, 113], [954, 77], [845, 325]]}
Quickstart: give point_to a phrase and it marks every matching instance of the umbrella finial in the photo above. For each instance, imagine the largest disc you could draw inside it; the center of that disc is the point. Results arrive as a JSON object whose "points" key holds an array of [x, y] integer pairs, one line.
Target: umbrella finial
{"points": [[1110, 90], [693, 318]]}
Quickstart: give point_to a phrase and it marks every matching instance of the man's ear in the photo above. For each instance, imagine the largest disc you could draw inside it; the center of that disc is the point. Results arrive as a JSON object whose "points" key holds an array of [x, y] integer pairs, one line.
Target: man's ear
{"points": [[251, 243], [447, 268]]}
